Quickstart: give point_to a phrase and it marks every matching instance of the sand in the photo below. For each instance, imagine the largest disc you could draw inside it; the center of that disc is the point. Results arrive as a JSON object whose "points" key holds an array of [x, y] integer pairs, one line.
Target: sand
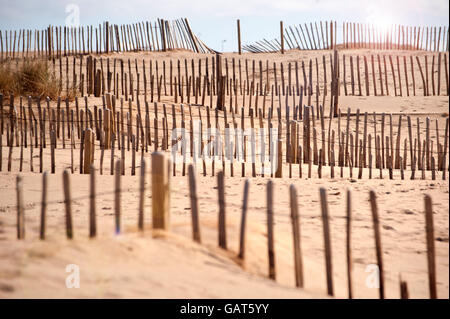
{"points": [[119, 261]]}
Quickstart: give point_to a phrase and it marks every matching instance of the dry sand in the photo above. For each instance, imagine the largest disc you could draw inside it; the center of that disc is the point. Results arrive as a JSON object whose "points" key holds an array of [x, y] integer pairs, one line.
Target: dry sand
{"points": [[135, 265]]}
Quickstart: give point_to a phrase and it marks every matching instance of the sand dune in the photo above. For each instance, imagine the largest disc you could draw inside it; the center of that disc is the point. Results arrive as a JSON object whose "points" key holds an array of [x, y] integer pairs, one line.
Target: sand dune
{"points": [[138, 265]]}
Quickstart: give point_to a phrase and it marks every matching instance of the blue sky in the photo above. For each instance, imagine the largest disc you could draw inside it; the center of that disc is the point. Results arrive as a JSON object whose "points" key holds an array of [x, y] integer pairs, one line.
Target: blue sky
{"points": [[215, 21]]}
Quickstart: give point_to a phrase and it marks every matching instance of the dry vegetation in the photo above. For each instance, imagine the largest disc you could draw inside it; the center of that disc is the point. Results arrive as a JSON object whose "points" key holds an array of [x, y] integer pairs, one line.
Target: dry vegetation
{"points": [[31, 78]]}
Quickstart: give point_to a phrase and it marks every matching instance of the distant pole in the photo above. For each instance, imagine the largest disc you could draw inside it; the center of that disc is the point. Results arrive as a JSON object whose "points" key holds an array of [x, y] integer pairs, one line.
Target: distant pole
{"points": [[239, 36], [49, 40], [107, 36], [163, 34], [282, 37], [331, 35]]}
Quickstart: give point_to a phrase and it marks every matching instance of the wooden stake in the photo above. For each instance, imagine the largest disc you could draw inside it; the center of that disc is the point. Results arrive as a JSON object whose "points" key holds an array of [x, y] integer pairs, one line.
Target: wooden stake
{"points": [[194, 204], [88, 150], [429, 228], [160, 192], [376, 228], [117, 212], [349, 250], [298, 263], [20, 208], [133, 155], [279, 154], [243, 221], [222, 224], [141, 196], [43, 205], [327, 241], [68, 204], [239, 36], [270, 235], [92, 208]]}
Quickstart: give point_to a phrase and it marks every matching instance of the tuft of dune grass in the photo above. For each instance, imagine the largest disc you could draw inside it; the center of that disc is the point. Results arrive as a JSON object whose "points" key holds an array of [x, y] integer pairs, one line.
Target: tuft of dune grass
{"points": [[31, 78]]}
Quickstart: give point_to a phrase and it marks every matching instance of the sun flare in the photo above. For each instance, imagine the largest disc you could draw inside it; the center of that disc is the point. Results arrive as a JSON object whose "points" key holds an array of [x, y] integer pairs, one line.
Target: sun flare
{"points": [[380, 18]]}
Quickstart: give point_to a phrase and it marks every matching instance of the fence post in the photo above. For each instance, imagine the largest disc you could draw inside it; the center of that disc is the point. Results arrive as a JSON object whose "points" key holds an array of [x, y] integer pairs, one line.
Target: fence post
{"points": [[239, 36], [141, 196], [379, 251], [349, 251], [107, 39], [298, 263], [429, 228], [118, 172], [243, 220], [327, 241], [43, 205], [279, 154], [270, 239], [52, 150], [107, 128], [20, 209], [160, 191], [113, 142], [222, 226], [67, 201], [92, 217], [282, 37], [194, 204], [133, 155], [81, 149], [88, 150]]}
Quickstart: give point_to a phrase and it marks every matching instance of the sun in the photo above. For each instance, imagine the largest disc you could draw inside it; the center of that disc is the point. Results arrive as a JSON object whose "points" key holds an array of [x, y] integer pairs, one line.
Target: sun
{"points": [[380, 18], [383, 23]]}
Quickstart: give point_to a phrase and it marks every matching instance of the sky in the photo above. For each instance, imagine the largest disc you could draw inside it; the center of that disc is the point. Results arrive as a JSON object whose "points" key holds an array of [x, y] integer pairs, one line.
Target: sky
{"points": [[215, 21]]}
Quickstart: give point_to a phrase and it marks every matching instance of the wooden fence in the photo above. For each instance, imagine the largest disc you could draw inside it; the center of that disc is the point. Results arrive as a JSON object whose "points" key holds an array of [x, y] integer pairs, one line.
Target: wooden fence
{"points": [[160, 187], [328, 35], [162, 35], [58, 41], [293, 137], [226, 81]]}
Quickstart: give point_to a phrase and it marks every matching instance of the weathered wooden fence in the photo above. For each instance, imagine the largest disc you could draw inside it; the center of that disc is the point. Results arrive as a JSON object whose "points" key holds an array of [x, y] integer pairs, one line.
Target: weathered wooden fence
{"points": [[367, 142], [226, 81], [160, 187], [328, 35], [58, 41]]}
